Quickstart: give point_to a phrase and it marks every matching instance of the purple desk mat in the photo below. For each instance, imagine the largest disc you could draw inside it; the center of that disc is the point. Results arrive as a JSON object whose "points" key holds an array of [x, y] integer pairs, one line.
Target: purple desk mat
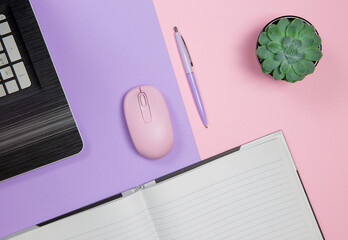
{"points": [[101, 49]]}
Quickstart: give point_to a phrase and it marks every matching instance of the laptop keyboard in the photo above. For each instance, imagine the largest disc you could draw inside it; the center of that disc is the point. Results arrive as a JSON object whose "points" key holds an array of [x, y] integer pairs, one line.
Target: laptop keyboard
{"points": [[13, 74]]}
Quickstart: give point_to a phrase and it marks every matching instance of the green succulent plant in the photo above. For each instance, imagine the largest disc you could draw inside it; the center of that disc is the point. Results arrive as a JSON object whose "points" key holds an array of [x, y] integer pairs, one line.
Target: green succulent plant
{"points": [[289, 50]]}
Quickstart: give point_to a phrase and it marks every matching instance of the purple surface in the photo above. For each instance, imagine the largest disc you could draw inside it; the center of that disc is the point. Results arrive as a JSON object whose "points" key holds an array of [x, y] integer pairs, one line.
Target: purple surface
{"points": [[100, 50]]}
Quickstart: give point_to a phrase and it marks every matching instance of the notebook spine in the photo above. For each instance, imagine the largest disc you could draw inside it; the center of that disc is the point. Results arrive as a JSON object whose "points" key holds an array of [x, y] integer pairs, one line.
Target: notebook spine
{"points": [[138, 188]]}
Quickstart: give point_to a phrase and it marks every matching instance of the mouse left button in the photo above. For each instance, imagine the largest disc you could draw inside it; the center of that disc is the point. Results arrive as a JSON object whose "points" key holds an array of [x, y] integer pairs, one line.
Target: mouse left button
{"points": [[144, 107]]}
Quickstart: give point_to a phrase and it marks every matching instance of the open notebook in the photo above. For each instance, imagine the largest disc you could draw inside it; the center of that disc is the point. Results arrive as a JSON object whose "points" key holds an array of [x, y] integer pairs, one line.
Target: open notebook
{"points": [[251, 192]]}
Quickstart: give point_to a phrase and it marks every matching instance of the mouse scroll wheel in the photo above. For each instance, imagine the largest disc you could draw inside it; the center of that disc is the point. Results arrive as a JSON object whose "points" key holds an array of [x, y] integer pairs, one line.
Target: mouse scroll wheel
{"points": [[142, 99], [144, 107]]}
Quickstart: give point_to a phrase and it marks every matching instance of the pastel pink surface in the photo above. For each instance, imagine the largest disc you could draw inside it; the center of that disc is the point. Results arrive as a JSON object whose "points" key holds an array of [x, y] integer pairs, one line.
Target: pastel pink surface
{"points": [[243, 104], [149, 121]]}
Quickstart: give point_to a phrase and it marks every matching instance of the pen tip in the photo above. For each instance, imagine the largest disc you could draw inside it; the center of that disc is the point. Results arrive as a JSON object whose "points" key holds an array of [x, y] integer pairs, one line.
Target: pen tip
{"points": [[206, 126], [175, 29]]}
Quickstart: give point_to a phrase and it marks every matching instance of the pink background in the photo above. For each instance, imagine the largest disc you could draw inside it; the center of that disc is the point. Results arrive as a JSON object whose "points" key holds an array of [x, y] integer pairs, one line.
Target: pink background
{"points": [[243, 104]]}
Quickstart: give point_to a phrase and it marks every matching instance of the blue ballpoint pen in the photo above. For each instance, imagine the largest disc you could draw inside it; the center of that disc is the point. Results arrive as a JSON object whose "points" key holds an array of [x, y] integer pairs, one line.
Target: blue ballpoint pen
{"points": [[187, 62]]}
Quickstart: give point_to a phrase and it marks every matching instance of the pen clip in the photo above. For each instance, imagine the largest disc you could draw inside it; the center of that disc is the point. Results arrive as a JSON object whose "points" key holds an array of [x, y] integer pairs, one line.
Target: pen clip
{"points": [[187, 51]]}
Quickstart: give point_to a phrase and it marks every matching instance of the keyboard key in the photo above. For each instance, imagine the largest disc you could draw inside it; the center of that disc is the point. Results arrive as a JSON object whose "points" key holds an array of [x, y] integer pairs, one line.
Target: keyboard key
{"points": [[11, 86], [2, 91], [3, 59], [22, 75], [11, 48], [4, 28], [6, 73], [2, 17]]}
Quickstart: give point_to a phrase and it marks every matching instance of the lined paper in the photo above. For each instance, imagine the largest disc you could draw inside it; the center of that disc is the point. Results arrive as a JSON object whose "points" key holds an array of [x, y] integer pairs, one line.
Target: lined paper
{"points": [[127, 218], [253, 194]]}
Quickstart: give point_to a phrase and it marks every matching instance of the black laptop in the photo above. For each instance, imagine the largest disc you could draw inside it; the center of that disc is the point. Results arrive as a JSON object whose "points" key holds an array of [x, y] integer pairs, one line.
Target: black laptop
{"points": [[36, 123]]}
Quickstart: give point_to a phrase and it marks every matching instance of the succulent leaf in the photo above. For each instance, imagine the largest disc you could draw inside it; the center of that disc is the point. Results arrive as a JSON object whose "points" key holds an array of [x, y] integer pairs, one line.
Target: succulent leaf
{"points": [[289, 49], [274, 47], [307, 32], [317, 41], [280, 56], [264, 39], [285, 65], [298, 24], [292, 76], [277, 74], [283, 24], [291, 31], [307, 43], [287, 42], [297, 43], [294, 28], [294, 56], [269, 64], [310, 66], [313, 54], [300, 68], [264, 53], [274, 33]]}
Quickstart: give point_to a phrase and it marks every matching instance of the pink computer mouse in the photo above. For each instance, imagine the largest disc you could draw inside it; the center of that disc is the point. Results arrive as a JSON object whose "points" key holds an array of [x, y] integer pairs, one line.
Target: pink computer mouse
{"points": [[148, 121]]}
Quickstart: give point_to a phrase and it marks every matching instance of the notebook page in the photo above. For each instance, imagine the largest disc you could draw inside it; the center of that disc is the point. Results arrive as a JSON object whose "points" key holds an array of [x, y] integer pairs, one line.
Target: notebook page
{"points": [[250, 194], [126, 218]]}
